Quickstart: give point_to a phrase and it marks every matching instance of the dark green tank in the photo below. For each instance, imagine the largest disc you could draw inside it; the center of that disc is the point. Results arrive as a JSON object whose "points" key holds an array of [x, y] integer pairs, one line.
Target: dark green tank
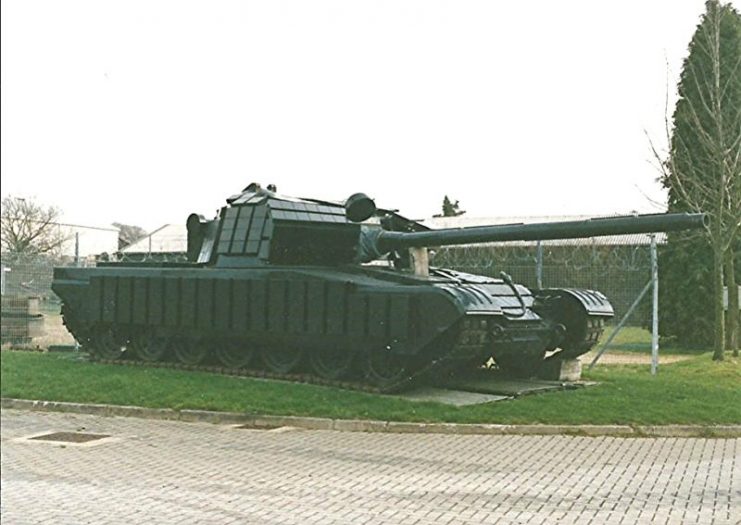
{"points": [[330, 289]]}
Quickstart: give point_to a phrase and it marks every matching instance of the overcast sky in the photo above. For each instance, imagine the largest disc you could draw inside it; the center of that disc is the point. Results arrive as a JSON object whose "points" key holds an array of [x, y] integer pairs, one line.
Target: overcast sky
{"points": [[144, 111]]}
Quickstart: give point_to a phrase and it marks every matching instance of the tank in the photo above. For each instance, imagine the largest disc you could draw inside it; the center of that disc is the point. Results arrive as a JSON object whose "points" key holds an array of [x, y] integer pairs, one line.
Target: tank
{"points": [[339, 291]]}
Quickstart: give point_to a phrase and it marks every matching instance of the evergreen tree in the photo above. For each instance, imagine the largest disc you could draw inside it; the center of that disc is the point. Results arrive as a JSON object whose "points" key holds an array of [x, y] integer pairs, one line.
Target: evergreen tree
{"points": [[703, 173], [450, 208]]}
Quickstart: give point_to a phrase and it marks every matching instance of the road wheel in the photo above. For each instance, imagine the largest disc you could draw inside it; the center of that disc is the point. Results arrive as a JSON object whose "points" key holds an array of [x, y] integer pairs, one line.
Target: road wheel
{"points": [[107, 343], [384, 368], [282, 359], [190, 351], [233, 353], [149, 348], [332, 361]]}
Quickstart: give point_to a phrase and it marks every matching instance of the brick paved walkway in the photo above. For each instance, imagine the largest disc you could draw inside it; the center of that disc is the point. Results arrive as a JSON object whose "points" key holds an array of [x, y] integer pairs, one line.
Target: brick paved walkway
{"points": [[174, 472]]}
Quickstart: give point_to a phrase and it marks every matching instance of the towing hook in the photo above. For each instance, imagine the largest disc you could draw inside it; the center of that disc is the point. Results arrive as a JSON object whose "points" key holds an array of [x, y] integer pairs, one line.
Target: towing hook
{"points": [[508, 281]]}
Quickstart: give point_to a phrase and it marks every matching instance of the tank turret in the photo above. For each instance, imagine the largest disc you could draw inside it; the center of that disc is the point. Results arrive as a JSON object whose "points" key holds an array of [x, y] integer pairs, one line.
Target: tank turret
{"points": [[261, 227]]}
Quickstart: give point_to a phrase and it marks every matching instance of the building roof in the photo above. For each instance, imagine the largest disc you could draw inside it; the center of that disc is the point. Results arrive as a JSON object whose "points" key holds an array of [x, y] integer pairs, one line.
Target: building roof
{"points": [[170, 238], [86, 241]]}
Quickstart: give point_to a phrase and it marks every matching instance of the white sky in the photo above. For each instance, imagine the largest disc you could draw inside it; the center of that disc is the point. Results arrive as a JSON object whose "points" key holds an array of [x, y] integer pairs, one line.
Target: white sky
{"points": [[144, 111]]}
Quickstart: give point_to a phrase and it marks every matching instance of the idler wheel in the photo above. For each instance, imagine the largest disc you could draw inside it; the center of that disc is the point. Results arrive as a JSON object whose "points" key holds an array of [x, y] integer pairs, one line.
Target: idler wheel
{"points": [[332, 361], [149, 348], [233, 353], [384, 369], [190, 351], [282, 359], [594, 328], [107, 343]]}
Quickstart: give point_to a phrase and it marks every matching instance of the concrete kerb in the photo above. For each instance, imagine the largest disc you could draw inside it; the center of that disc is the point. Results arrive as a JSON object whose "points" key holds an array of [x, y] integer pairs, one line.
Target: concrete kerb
{"points": [[350, 425]]}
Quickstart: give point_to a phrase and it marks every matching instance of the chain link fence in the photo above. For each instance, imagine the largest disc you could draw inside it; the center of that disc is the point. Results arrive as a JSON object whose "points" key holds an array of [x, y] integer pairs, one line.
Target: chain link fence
{"points": [[31, 312]]}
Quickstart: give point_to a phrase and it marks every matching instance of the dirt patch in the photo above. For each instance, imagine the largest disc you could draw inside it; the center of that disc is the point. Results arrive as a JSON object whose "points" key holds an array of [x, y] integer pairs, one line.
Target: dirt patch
{"points": [[630, 358]]}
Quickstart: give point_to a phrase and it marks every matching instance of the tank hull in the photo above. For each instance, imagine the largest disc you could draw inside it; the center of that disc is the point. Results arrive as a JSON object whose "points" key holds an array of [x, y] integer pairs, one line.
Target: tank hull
{"points": [[383, 327]]}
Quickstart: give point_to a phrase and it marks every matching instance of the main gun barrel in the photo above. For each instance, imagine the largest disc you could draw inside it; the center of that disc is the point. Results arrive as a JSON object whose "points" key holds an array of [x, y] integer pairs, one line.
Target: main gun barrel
{"points": [[660, 222]]}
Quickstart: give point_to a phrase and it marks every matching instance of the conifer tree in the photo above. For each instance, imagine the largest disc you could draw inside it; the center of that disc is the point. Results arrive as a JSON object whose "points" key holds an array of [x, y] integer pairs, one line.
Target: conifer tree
{"points": [[451, 209], [703, 173]]}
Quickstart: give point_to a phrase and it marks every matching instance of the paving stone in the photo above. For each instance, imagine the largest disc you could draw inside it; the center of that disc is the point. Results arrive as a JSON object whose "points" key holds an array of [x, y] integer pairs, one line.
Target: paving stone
{"points": [[166, 472]]}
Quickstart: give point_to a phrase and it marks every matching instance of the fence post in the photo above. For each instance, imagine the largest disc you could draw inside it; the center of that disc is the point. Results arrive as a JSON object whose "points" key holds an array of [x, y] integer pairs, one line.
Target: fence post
{"points": [[539, 266], [3, 269], [655, 307], [593, 265], [620, 324], [77, 248]]}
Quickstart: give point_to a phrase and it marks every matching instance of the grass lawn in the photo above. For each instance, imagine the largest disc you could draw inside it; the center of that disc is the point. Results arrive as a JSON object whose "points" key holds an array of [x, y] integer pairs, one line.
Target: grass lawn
{"points": [[696, 391], [638, 340], [630, 338]]}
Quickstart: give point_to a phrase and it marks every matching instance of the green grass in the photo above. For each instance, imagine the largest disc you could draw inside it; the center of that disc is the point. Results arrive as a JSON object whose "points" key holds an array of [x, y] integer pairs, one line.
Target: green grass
{"points": [[635, 339], [696, 391], [638, 340], [628, 338]]}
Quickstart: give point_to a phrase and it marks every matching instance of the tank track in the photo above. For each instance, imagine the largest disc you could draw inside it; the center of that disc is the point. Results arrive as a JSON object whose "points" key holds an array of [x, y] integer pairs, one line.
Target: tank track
{"points": [[471, 340], [581, 312], [248, 372], [595, 328]]}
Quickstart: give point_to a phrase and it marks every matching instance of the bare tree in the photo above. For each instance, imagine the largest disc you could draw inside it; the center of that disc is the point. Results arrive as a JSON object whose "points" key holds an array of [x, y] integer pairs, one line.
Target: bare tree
{"points": [[703, 166], [30, 228]]}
